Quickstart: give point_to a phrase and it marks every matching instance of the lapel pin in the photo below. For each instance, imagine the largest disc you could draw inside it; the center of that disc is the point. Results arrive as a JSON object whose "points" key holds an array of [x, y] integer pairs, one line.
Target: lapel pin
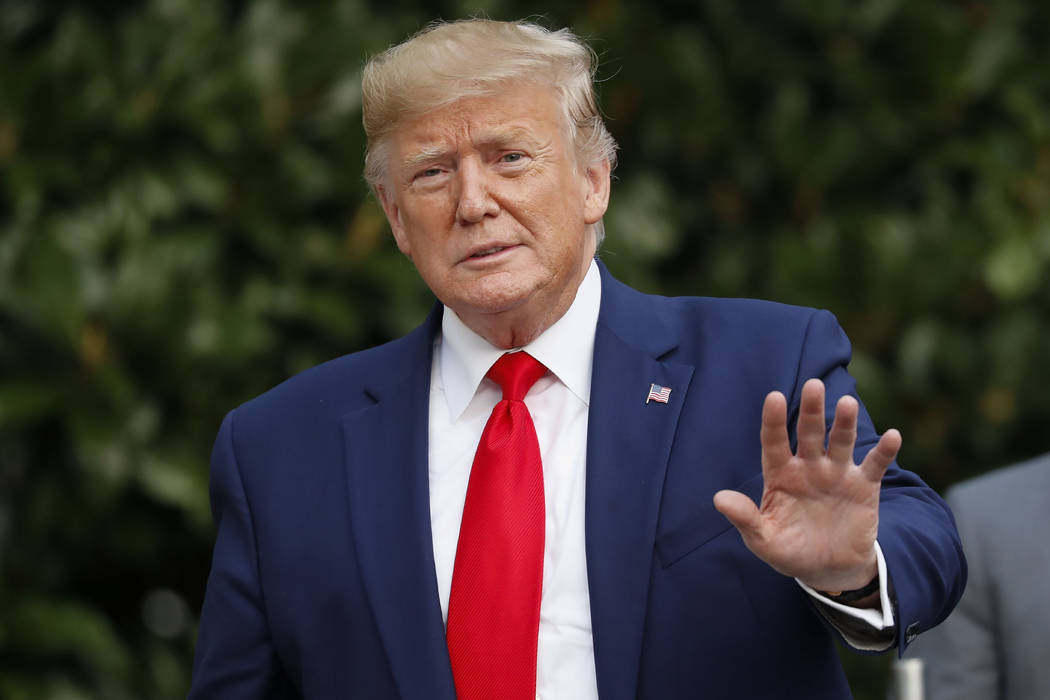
{"points": [[658, 393]]}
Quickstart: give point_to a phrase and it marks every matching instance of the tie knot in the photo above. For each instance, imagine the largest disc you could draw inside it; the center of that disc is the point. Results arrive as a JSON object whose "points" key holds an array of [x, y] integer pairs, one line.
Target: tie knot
{"points": [[516, 372]]}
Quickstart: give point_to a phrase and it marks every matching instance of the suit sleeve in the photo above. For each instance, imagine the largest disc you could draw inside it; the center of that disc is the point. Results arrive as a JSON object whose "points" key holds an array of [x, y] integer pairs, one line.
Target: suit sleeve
{"points": [[235, 656], [917, 535]]}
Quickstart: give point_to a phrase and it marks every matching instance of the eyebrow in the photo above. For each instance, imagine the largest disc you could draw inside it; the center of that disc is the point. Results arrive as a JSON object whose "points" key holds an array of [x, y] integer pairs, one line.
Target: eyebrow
{"points": [[424, 155], [494, 139]]}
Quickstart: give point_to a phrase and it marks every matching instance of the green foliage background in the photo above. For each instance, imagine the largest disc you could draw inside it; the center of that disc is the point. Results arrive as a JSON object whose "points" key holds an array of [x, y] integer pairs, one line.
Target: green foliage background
{"points": [[183, 224]]}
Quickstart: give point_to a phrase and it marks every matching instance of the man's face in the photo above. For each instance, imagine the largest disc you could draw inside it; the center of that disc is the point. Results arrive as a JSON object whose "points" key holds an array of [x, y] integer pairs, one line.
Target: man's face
{"points": [[486, 198]]}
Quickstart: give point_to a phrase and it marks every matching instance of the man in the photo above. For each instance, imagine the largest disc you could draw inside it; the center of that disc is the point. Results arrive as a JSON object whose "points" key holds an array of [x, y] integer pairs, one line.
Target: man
{"points": [[995, 645], [366, 546]]}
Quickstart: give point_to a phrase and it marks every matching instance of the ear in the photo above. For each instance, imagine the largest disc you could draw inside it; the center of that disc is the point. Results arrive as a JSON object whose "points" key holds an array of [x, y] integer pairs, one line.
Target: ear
{"points": [[596, 200], [393, 217]]}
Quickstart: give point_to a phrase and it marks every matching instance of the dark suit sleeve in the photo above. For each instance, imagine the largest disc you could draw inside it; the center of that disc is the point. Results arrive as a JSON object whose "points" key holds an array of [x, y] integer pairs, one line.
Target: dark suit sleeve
{"points": [[917, 534], [235, 655]]}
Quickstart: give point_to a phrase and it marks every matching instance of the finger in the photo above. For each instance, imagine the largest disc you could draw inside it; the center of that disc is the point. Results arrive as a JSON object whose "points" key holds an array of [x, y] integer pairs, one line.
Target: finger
{"points": [[879, 458], [843, 433], [741, 511], [811, 430], [776, 447]]}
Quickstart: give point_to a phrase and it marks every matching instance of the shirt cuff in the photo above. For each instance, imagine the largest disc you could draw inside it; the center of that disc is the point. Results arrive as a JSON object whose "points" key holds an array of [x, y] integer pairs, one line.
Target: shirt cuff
{"points": [[862, 628]]}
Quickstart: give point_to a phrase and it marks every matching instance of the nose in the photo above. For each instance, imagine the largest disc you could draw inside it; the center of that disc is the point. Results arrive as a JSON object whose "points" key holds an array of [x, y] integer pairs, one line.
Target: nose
{"points": [[475, 195]]}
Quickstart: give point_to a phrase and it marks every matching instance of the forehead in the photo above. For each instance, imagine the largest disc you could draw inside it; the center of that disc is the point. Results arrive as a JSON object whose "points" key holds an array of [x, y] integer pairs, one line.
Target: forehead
{"points": [[517, 112]]}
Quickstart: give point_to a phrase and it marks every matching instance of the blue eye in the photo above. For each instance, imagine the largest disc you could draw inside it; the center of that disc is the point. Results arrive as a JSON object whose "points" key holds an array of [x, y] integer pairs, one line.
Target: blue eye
{"points": [[430, 172], [512, 157]]}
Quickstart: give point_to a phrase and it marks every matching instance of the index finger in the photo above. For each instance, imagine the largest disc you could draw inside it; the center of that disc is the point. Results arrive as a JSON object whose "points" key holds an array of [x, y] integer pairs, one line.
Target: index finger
{"points": [[879, 458]]}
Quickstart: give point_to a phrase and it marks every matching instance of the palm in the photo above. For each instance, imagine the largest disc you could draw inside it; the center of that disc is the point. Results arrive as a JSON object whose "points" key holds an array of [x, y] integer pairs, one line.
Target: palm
{"points": [[818, 519]]}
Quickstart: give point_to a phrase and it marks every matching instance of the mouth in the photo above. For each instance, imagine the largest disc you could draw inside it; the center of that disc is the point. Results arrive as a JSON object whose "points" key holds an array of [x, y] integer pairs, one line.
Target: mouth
{"points": [[492, 251]]}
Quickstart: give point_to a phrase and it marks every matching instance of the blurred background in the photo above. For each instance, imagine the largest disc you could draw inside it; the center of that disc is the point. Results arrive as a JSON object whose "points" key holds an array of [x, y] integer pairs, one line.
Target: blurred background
{"points": [[183, 224]]}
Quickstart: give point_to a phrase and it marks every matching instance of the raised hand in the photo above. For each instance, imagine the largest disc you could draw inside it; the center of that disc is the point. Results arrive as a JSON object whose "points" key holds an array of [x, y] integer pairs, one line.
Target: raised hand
{"points": [[819, 515]]}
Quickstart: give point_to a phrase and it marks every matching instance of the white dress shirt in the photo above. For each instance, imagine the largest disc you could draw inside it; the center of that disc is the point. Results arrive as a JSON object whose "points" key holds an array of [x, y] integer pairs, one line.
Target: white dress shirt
{"points": [[461, 399]]}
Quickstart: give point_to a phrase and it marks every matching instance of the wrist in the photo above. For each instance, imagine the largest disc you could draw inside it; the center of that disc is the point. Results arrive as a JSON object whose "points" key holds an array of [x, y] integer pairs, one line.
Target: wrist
{"points": [[856, 594]]}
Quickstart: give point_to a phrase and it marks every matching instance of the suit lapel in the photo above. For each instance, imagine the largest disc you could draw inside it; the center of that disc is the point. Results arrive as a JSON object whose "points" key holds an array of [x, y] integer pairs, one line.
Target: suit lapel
{"points": [[386, 451], [628, 445]]}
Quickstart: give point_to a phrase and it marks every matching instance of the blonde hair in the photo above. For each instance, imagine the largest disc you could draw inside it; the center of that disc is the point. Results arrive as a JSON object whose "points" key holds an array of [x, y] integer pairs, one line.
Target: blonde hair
{"points": [[448, 61]]}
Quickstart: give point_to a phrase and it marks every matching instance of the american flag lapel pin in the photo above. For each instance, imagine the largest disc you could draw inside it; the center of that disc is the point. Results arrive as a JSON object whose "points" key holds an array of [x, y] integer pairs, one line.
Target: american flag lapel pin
{"points": [[658, 393]]}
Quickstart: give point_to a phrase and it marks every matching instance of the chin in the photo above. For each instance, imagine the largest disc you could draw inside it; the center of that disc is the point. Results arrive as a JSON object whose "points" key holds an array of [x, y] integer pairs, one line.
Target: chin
{"points": [[495, 304], [497, 293]]}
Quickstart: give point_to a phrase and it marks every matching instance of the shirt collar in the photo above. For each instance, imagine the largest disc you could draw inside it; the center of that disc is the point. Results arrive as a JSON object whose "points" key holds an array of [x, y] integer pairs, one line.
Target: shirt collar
{"points": [[566, 348]]}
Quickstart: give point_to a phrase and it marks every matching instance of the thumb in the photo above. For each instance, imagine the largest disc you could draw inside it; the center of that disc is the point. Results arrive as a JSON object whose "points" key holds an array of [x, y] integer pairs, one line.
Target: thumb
{"points": [[741, 511]]}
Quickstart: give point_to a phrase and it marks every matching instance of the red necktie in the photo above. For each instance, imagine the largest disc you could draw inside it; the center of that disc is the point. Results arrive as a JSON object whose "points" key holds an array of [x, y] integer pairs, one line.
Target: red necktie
{"points": [[494, 605]]}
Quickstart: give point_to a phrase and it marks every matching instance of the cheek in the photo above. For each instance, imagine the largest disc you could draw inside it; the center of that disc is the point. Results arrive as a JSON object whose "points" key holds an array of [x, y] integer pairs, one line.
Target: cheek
{"points": [[402, 240], [549, 207], [422, 224], [441, 215]]}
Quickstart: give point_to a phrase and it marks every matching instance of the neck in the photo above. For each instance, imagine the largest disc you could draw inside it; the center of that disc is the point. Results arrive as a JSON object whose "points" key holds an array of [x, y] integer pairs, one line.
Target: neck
{"points": [[506, 335]]}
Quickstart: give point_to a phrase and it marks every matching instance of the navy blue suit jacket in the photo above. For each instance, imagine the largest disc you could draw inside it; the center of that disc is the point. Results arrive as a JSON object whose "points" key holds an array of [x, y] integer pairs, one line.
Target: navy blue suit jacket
{"points": [[323, 582]]}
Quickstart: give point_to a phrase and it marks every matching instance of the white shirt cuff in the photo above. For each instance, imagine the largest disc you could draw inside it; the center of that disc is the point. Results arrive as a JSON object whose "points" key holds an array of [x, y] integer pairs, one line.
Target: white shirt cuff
{"points": [[877, 619]]}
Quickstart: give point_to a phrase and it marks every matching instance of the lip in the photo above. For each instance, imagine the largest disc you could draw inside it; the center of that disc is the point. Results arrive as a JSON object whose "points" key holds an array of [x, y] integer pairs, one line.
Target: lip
{"points": [[498, 251]]}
